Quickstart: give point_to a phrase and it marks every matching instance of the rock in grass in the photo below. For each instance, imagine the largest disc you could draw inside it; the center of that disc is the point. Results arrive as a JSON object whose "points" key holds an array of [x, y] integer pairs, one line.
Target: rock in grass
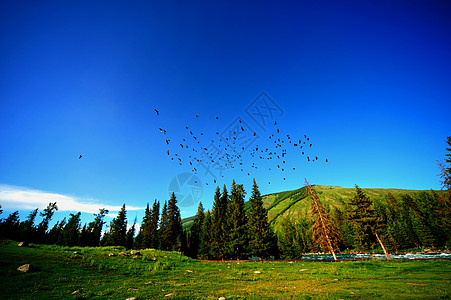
{"points": [[257, 272], [25, 268], [111, 254], [169, 295], [123, 254], [77, 292], [222, 298], [132, 298], [135, 252], [23, 244]]}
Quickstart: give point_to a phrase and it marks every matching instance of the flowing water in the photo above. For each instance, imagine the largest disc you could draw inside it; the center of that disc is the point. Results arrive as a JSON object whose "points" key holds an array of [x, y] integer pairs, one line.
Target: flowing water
{"points": [[377, 256]]}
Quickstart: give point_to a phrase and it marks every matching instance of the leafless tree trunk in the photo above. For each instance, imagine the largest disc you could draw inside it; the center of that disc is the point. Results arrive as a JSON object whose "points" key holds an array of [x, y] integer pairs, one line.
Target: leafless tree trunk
{"points": [[324, 231]]}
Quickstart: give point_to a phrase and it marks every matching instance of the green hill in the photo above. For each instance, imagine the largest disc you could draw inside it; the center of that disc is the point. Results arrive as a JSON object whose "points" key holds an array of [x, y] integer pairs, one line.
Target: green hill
{"points": [[292, 204]]}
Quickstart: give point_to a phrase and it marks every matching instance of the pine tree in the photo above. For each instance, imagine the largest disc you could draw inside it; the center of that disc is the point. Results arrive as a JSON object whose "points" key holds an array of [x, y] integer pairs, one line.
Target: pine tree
{"points": [[261, 238], [237, 235], [445, 170], [294, 239], [153, 225], [162, 232], [27, 227], [94, 229], [118, 228], [129, 238], [84, 237], [9, 228], [144, 236], [206, 237], [363, 219], [47, 215], [324, 232], [70, 234], [55, 234], [173, 229], [195, 234], [219, 224]]}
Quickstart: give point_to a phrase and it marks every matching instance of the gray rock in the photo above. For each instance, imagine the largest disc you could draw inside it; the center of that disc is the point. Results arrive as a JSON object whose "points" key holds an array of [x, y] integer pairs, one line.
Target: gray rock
{"points": [[25, 268]]}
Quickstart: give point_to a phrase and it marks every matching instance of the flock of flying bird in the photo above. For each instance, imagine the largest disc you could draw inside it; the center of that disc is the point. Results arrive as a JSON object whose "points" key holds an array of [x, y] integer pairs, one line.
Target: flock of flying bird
{"points": [[229, 149]]}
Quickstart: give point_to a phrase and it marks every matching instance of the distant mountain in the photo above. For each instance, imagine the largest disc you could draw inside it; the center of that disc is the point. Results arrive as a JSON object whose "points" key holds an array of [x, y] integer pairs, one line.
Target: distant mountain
{"points": [[292, 204]]}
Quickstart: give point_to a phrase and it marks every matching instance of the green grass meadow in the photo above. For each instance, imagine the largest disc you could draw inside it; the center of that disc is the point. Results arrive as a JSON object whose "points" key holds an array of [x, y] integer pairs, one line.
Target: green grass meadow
{"points": [[59, 273]]}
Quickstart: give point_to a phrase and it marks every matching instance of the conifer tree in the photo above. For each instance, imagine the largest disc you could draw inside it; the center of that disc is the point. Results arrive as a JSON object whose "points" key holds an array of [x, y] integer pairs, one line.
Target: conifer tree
{"points": [[237, 235], [143, 239], [84, 237], [219, 226], [196, 231], [27, 227], [206, 237], [9, 228], [445, 170], [70, 234], [94, 229], [363, 219], [324, 232], [55, 234], [47, 215], [162, 232], [174, 226], [129, 238], [118, 228], [261, 238], [153, 225]]}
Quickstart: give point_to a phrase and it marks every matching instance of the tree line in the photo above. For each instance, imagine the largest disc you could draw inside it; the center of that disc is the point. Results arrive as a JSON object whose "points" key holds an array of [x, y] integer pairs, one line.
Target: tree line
{"points": [[230, 231]]}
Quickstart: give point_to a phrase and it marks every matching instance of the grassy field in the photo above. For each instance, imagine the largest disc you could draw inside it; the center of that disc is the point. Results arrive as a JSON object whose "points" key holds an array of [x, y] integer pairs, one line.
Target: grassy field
{"points": [[60, 273]]}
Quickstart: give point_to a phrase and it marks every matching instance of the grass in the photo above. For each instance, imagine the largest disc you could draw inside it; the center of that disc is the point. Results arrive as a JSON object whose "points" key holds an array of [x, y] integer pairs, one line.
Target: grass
{"points": [[59, 272]]}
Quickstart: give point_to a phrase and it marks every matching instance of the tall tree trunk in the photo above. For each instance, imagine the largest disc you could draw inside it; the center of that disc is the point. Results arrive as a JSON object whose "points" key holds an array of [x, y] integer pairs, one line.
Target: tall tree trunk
{"points": [[383, 248]]}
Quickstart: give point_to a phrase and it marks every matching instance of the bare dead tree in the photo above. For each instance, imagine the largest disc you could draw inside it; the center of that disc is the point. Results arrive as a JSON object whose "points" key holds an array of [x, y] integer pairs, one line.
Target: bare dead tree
{"points": [[324, 232]]}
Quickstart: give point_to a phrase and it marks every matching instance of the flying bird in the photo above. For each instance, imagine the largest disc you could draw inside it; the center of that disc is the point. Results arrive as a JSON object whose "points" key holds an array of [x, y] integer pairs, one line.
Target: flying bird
{"points": [[80, 156], [158, 113]]}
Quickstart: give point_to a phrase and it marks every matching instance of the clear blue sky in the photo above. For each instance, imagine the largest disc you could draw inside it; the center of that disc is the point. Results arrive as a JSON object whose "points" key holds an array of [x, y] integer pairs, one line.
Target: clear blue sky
{"points": [[367, 82]]}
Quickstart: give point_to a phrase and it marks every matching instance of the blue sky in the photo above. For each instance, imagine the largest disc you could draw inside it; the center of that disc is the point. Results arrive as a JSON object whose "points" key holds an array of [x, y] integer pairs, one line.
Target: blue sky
{"points": [[368, 83]]}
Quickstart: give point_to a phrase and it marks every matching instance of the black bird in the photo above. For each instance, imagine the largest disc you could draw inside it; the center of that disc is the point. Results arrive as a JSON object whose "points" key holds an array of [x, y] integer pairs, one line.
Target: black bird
{"points": [[80, 156], [275, 122], [158, 113], [326, 159], [310, 145], [197, 115]]}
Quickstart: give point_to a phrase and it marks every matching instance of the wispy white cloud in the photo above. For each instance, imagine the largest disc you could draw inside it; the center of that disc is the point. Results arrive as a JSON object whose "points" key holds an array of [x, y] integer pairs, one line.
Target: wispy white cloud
{"points": [[17, 198]]}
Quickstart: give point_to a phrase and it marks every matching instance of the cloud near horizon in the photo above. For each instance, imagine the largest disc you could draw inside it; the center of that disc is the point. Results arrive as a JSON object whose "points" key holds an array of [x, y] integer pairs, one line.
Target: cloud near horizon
{"points": [[18, 198]]}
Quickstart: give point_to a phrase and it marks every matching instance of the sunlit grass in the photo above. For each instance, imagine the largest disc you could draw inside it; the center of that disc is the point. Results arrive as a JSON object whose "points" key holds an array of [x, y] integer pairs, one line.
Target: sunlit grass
{"points": [[92, 273]]}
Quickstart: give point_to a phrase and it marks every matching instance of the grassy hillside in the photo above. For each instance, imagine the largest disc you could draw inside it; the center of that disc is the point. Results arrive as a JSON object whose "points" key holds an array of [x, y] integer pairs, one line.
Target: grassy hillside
{"points": [[90, 273], [292, 204]]}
